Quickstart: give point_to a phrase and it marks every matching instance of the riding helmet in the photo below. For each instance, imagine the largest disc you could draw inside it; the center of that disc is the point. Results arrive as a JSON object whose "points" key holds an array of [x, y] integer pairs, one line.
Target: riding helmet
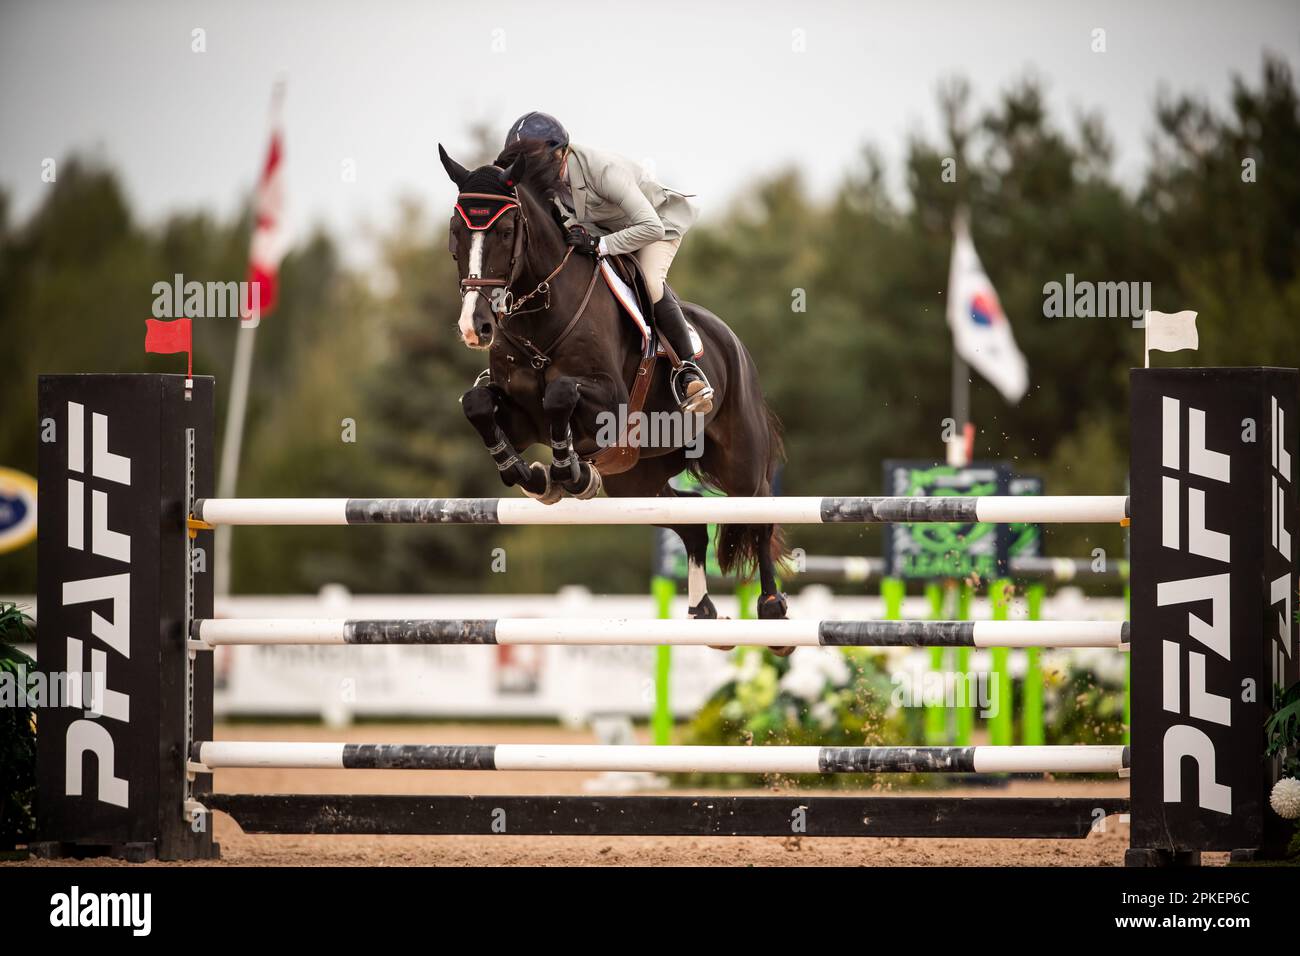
{"points": [[537, 125]]}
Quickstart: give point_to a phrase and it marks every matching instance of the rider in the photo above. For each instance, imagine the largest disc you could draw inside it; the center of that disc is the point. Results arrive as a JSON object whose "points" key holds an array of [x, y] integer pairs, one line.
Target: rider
{"points": [[614, 208]]}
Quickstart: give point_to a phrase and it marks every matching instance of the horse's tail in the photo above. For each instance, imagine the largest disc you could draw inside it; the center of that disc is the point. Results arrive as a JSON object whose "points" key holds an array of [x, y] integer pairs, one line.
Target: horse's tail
{"points": [[738, 545]]}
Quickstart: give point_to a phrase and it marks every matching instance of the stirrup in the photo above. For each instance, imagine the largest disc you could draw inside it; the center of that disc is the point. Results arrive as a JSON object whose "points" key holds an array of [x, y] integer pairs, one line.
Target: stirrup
{"points": [[699, 398]]}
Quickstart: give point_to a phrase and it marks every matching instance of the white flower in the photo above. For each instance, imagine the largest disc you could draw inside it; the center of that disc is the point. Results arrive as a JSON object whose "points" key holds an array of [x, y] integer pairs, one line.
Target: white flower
{"points": [[804, 679], [748, 666], [1285, 798], [823, 712], [812, 668], [834, 666]]}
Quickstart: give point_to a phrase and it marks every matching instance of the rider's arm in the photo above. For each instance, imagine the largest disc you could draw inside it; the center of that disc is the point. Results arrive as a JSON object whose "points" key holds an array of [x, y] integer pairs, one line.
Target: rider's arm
{"points": [[645, 226]]}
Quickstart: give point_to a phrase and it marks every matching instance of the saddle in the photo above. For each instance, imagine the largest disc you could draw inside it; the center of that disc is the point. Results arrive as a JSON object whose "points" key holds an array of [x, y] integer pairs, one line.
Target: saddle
{"points": [[622, 457]]}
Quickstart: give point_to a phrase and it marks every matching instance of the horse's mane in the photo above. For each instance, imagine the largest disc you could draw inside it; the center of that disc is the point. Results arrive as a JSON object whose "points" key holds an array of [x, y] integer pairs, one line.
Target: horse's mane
{"points": [[542, 169]]}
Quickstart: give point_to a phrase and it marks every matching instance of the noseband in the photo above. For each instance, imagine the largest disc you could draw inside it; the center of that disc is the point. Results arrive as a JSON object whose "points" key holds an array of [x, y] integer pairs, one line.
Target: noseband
{"points": [[480, 212]]}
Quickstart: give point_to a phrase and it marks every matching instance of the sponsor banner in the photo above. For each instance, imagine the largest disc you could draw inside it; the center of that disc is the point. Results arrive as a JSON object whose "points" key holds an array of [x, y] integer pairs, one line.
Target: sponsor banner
{"points": [[112, 605], [930, 551], [1214, 583]]}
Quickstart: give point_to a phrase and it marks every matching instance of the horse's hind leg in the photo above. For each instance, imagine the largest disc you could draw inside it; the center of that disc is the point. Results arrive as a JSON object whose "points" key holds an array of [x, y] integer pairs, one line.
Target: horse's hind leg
{"points": [[772, 604], [650, 477], [696, 539], [481, 406]]}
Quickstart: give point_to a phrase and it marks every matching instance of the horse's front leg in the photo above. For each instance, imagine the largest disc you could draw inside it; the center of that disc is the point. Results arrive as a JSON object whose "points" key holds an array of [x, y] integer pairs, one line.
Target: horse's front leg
{"points": [[483, 406], [568, 471]]}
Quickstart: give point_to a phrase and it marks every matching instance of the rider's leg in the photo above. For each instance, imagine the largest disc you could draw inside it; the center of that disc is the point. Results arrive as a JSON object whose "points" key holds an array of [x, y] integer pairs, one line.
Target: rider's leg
{"points": [[693, 392]]}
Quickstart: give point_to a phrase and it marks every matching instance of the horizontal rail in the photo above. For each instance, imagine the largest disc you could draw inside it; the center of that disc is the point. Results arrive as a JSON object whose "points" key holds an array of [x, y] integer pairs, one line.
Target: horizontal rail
{"points": [[648, 631], [1019, 818], [668, 759], [857, 568], [649, 511]]}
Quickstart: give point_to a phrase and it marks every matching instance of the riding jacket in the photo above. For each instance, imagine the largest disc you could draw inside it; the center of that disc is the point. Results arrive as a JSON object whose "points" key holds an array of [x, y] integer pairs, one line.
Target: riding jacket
{"points": [[618, 198]]}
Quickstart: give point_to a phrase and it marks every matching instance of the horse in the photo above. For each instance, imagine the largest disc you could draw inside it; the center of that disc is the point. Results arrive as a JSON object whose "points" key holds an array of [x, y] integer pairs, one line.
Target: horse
{"points": [[561, 356]]}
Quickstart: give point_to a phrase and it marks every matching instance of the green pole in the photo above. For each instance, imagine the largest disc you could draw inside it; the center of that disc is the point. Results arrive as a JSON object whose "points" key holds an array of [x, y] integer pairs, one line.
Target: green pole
{"points": [[892, 591], [936, 720], [747, 597], [965, 716], [664, 590], [1000, 723], [1032, 717]]}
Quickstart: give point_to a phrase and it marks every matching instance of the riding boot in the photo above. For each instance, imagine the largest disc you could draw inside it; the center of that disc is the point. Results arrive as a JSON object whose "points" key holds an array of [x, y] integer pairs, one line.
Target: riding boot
{"points": [[692, 390]]}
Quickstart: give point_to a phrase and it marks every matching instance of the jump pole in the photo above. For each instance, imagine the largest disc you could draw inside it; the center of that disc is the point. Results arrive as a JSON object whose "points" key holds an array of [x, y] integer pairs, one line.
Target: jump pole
{"points": [[644, 631], [126, 458], [1086, 509], [655, 759]]}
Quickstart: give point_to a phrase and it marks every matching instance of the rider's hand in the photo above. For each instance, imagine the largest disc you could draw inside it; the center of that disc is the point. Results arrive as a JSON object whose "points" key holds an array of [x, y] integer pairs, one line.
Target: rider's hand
{"points": [[583, 241]]}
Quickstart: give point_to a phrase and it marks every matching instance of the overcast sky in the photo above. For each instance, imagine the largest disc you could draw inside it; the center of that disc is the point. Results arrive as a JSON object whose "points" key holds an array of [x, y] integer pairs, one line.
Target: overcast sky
{"points": [[713, 93]]}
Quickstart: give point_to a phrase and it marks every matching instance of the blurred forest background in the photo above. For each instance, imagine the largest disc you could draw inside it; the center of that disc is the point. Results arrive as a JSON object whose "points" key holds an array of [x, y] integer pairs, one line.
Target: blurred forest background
{"points": [[860, 376]]}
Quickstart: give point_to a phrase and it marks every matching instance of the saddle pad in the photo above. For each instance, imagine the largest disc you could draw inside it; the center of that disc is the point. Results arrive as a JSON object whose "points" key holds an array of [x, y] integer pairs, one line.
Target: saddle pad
{"points": [[625, 297]]}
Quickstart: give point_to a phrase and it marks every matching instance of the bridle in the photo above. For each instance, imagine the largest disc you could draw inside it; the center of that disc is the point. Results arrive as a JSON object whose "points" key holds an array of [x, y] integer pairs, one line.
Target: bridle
{"points": [[480, 212]]}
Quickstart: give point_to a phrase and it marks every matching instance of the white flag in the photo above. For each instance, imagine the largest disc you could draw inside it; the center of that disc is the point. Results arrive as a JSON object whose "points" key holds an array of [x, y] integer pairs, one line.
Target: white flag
{"points": [[981, 333], [1170, 332]]}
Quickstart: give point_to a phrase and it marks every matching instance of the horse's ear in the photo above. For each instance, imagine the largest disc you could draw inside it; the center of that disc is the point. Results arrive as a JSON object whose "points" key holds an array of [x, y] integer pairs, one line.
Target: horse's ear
{"points": [[515, 174], [455, 170]]}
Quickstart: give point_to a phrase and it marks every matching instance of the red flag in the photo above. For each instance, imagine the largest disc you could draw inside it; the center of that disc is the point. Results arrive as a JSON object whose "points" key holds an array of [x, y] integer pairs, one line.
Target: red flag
{"points": [[267, 248], [166, 337]]}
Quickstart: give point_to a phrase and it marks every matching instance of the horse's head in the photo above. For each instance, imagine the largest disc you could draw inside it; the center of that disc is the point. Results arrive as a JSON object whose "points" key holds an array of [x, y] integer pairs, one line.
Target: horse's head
{"points": [[487, 242]]}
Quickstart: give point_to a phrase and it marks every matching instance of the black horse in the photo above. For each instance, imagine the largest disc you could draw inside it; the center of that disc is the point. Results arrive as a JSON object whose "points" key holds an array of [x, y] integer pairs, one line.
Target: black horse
{"points": [[562, 358]]}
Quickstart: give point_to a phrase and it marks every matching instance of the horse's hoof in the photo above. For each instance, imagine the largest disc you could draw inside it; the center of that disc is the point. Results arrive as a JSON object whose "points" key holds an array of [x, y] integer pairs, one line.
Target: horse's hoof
{"points": [[551, 493], [594, 484], [704, 611], [772, 607]]}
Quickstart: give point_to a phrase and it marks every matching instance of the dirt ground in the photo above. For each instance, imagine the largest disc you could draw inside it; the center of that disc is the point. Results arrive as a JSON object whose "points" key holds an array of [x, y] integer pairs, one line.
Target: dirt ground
{"points": [[237, 848]]}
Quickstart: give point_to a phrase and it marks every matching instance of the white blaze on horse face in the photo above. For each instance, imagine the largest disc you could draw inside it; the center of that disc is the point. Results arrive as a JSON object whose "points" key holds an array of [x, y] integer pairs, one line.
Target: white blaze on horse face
{"points": [[467, 331]]}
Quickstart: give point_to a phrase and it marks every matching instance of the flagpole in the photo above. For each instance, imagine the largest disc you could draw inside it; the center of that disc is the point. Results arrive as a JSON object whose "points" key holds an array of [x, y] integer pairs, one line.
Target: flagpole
{"points": [[1146, 339], [960, 406], [957, 450], [232, 439]]}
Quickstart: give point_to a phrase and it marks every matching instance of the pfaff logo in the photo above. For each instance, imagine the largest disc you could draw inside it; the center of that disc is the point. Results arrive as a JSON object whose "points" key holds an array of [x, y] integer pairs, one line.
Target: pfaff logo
{"points": [[94, 474], [1188, 487], [1280, 588]]}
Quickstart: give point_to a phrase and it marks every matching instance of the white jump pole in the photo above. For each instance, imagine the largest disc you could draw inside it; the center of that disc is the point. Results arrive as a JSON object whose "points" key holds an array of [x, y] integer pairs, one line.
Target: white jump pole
{"points": [[647, 511], [645, 631], [662, 759]]}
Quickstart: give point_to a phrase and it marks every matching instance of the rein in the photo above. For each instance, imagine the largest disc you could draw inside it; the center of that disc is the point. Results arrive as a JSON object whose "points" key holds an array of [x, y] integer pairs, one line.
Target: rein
{"points": [[480, 211]]}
